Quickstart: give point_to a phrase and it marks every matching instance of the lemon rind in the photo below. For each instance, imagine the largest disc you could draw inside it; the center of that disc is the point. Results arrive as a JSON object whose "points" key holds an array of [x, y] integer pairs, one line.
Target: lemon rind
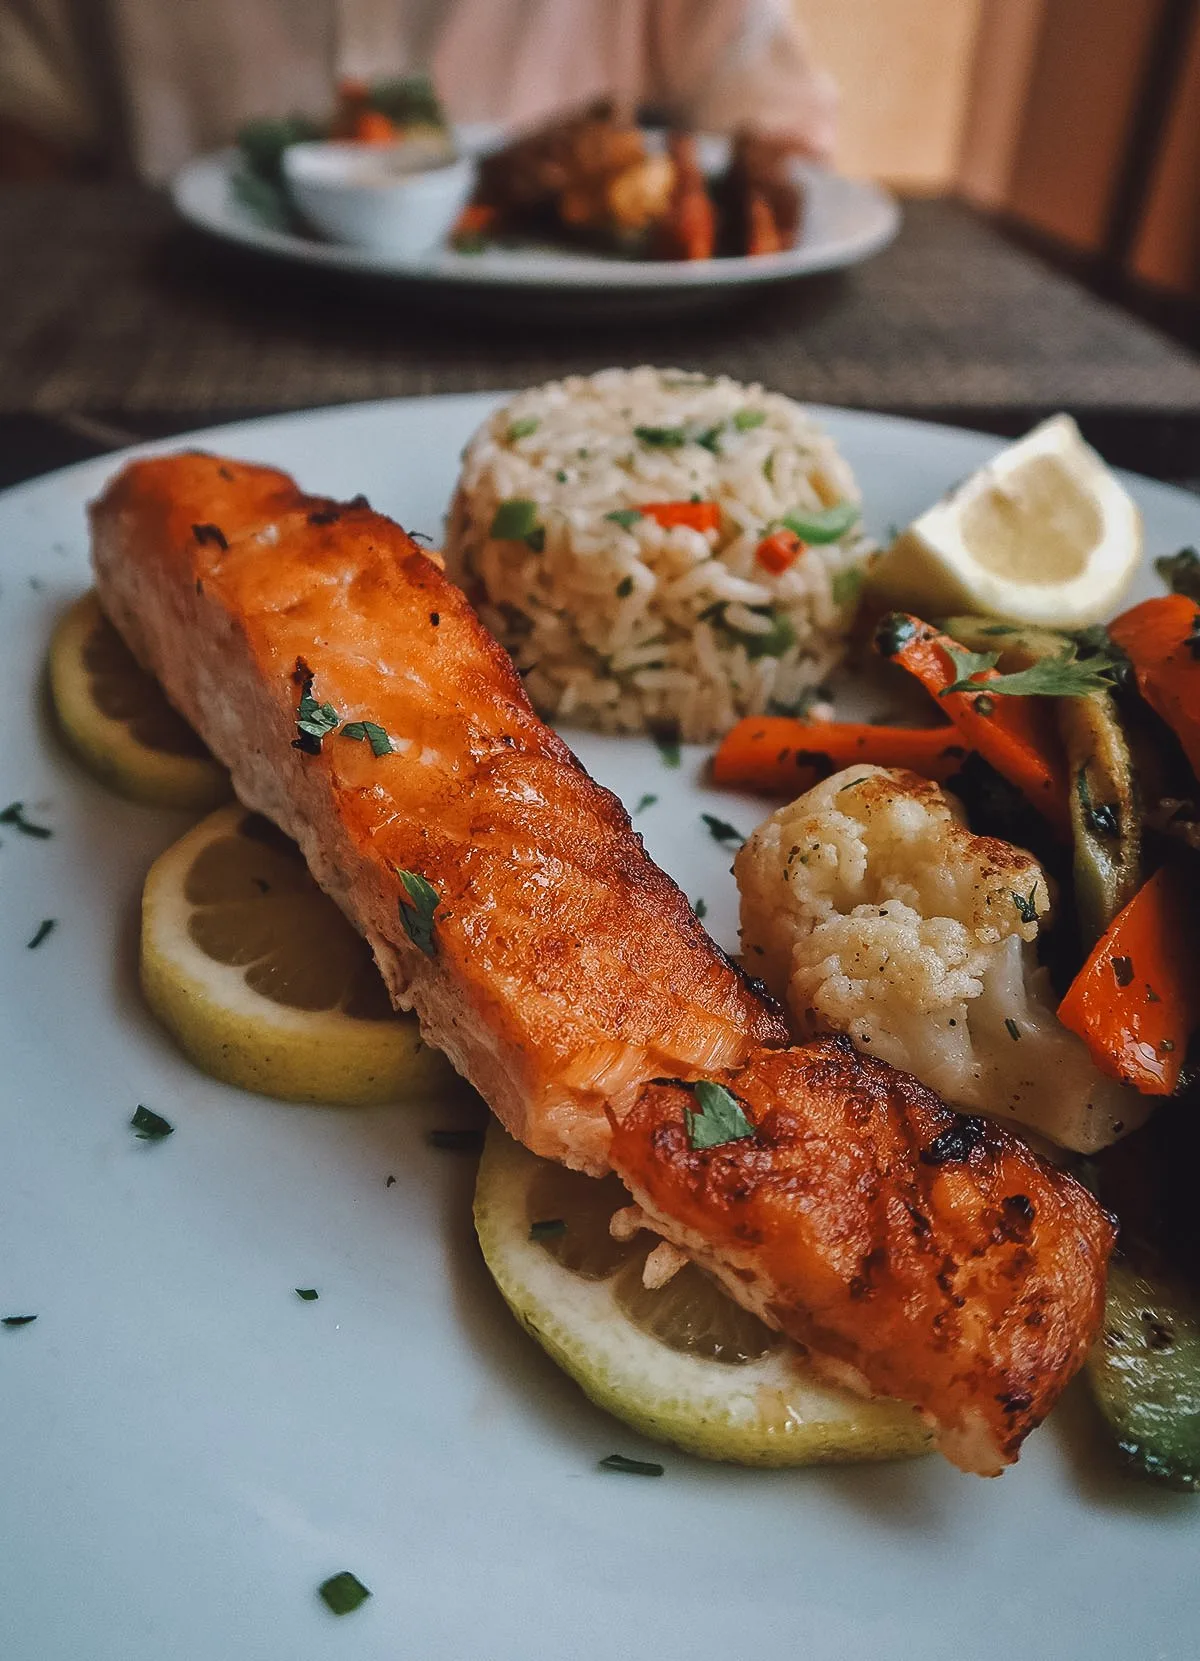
{"points": [[768, 1412]]}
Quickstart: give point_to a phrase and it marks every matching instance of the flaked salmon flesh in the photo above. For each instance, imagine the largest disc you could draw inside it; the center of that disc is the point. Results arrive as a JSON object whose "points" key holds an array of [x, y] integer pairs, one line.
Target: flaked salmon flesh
{"points": [[567, 977]]}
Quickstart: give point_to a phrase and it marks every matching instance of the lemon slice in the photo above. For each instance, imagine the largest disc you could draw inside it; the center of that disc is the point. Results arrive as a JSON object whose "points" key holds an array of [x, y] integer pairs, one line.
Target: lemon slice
{"points": [[262, 981], [1042, 534], [117, 721], [683, 1363]]}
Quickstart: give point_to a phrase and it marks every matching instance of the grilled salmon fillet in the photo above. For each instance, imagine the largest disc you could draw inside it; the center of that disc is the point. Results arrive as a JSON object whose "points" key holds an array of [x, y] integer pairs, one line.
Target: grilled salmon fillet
{"points": [[914, 1252], [508, 901], [567, 968]]}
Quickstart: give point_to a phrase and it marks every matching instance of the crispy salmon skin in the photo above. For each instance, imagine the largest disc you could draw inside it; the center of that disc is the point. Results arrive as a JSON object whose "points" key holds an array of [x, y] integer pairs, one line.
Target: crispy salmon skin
{"points": [[563, 967], [913, 1251]]}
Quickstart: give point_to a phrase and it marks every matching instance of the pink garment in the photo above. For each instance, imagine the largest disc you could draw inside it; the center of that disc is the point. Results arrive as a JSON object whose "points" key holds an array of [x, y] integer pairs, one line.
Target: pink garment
{"points": [[193, 70]]}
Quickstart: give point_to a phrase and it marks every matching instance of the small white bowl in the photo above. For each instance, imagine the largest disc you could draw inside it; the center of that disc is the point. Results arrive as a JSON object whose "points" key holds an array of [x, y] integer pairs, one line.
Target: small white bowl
{"points": [[399, 199]]}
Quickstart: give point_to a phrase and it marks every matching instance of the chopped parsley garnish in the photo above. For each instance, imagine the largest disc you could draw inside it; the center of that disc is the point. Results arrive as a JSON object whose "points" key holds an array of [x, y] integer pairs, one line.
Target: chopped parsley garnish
{"points": [[547, 1228], [624, 588], [1026, 904], [701, 908], [1065, 676], [536, 540], [390, 1183], [1122, 968], [1101, 818], [524, 428], [210, 533], [721, 831], [381, 744], [666, 735], [645, 801], [17, 1320], [1014, 1030], [14, 815], [456, 1141], [847, 586], [314, 721], [631, 1467], [308, 1293], [822, 524], [1181, 572], [514, 520], [417, 913], [150, 1126], [624, 517], [709, 439], [717, 1119], [40, 933], [768, 468], [343, 1592], [746, 419], [663, 438], [894, 633]]}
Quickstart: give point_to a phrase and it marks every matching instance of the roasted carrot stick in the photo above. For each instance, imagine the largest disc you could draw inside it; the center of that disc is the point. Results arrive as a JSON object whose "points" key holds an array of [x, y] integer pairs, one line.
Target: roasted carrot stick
{"points": [[1015, 735], [1136, 1001], [782, 756], [1162, 639], [700, 516]]}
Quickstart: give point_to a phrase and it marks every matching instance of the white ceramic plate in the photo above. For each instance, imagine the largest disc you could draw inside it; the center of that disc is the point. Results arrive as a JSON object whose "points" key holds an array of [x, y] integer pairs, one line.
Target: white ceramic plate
{"points": [[846, 220], [189, 1449]]}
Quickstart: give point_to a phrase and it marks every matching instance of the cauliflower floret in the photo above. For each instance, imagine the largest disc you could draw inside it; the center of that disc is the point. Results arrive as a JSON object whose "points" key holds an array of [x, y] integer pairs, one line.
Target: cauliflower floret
{"points": [[869, 908]]}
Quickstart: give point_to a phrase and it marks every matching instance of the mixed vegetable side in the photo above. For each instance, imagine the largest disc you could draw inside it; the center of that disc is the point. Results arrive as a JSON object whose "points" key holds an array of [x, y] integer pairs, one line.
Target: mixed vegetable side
{"points": [[1085, 749]]}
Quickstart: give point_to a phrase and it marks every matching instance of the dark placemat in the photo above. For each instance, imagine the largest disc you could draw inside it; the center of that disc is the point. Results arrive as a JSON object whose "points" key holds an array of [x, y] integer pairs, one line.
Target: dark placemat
{"points": [[107, 304]]}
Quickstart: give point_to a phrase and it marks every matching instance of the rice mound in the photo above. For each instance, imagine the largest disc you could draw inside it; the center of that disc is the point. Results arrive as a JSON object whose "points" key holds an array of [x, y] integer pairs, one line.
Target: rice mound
{"points": [[619, 623]]}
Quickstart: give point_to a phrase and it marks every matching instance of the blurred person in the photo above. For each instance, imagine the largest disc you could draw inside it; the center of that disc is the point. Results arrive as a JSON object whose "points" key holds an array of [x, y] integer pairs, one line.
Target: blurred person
{"points": [[153, 82]]}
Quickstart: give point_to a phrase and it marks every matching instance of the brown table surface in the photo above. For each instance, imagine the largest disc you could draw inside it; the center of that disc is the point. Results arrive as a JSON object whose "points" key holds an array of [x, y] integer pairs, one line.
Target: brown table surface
{"points": [[110, 309]]}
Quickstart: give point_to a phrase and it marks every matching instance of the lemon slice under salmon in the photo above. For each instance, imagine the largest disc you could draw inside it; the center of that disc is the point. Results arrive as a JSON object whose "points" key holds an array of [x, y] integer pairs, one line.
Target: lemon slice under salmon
{"points": [[118, 722], [262, 981], [682, 1363], [1045, 533]]}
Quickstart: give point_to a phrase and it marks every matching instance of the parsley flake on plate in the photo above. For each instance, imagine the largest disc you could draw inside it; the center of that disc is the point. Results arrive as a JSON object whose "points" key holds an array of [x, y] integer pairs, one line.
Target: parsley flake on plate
{"points": [[630, 1467], [547, 1228], [43, 930], [701, 908], [372, 732], [666, 735], [17, 1320], [717, 1119], [150, 1126], [14, 815], [417, 914], [308, 1293], [343, 1593], [727, 835], [645, 802]]}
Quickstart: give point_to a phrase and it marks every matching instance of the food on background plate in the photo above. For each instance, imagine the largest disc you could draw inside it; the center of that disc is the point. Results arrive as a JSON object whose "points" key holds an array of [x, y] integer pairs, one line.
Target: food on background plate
{"points": [[505, 896], [403, 114], [1043, 533], [592, 178], [261, 980], [116, 720], [659, 550]]}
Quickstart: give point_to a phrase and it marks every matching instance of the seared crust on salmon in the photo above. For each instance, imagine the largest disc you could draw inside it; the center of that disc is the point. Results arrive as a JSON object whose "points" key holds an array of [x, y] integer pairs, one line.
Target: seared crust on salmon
{"points": [[914, 1252], [566, 968], [509, 902]]}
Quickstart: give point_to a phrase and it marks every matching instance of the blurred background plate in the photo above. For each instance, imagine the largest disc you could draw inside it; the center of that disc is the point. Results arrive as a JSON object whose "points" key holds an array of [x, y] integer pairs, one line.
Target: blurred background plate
{"points": [[845, 221]]}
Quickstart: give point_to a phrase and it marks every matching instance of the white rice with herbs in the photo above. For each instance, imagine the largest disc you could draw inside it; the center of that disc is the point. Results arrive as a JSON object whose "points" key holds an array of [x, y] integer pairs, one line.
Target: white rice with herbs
{"points": [[619, 621]]}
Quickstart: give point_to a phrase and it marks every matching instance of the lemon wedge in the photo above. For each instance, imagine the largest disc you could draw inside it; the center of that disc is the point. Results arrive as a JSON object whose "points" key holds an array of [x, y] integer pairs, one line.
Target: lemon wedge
{"points": [[262, 981], [682, 1363], [1043, 534], [117, 721]]}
